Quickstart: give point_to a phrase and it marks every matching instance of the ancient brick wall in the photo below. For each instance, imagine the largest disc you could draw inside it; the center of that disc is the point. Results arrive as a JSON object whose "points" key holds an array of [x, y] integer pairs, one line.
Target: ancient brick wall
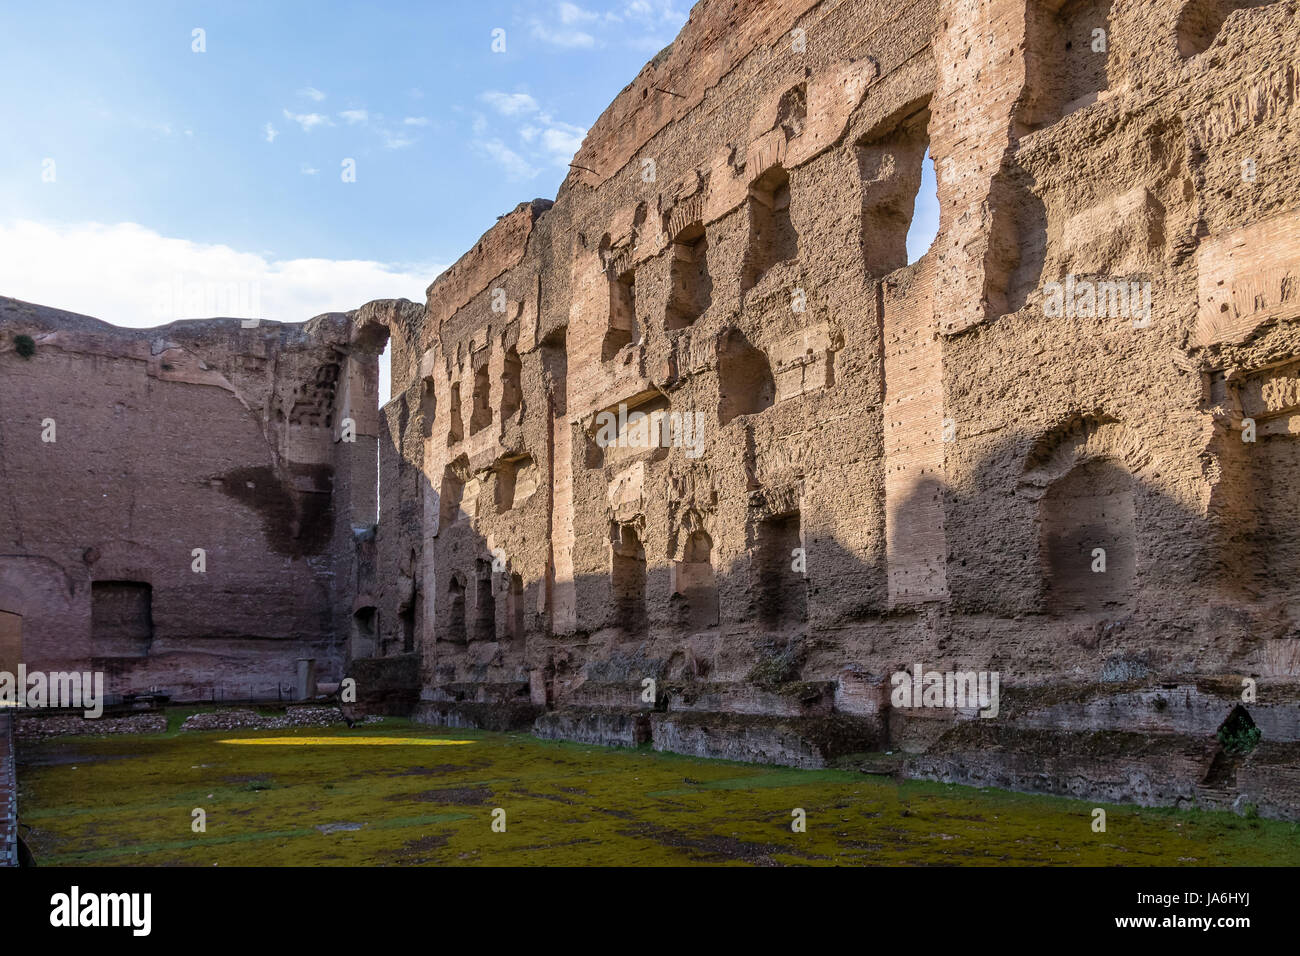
{"points": [[893, 463], [700, 422], [122, 451]]}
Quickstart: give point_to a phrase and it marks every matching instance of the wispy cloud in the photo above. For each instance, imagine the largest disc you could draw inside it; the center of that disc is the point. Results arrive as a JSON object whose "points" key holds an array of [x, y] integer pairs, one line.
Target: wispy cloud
{"points": [[308, 121], [311, 93], [564, 37], [354, 117], [639, 24], [562, 141], [572, 13], [394, 140], [270, 132], [549, 139], [512, 164], [416, 121], [509, 104]]}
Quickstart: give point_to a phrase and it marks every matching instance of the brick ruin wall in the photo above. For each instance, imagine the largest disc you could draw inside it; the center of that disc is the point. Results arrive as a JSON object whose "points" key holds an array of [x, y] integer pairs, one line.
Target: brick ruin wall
{"points": [[877, 464], [122, 451]]}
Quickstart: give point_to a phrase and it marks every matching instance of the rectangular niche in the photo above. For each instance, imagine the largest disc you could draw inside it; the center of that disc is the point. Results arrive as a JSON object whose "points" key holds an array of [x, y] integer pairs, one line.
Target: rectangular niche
{"points": [[772, 236], [690, 287], [627, 578], [516, 481], [121, 618], [1065, 59], [782, 591], [623, 327]]}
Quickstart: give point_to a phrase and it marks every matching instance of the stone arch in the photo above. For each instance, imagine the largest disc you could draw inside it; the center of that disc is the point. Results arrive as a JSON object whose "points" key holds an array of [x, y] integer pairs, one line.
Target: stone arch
{"points": [[1081, 437], [695, 581]]}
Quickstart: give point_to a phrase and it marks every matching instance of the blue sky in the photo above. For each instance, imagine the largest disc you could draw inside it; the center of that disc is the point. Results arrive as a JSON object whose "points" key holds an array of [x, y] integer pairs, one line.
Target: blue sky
{"points": [[241, 146], [142, 181]]}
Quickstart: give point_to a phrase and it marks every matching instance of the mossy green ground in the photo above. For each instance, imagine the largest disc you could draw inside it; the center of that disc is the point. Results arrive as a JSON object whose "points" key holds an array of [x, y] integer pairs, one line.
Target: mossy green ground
{"points": [[128, 800]]}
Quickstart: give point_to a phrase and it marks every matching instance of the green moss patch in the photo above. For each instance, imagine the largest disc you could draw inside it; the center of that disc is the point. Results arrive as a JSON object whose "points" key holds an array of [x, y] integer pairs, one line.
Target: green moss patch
{"points": [[130, 799]]}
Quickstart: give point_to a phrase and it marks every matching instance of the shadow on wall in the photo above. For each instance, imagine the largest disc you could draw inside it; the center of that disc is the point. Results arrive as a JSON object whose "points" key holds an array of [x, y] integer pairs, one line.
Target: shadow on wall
{"points": [[1068, 560]]}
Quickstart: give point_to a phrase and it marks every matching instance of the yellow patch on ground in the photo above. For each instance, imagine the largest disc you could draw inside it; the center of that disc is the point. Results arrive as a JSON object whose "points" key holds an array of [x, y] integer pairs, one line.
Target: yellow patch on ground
{"points": [[346, 741]]}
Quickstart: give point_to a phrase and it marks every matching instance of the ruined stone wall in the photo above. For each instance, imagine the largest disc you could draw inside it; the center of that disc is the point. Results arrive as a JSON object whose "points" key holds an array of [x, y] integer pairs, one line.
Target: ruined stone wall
{"points": [[122, 451], [884, 463], [694, 455]]}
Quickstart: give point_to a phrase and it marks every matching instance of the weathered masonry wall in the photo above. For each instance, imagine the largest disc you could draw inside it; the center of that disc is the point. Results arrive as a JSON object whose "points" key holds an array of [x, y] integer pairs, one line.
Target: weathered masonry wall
{"points": [[122, 451], [873, 463], [694, 456]]}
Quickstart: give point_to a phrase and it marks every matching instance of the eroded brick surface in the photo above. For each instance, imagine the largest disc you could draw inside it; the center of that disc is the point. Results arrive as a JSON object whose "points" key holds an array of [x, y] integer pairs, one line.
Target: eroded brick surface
{"points": [[870, 464]]}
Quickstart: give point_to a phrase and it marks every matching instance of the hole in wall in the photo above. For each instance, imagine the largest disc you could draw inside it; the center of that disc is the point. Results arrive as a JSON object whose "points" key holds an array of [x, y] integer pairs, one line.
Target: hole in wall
{"points": [[365, 623], [623, 327], [900, 207], [481, 414], [485, 604], [696, 583], [455, 427], [517, 631], [456, 632], [386, 373], [121, 618], [925, 212], [511, 390]]}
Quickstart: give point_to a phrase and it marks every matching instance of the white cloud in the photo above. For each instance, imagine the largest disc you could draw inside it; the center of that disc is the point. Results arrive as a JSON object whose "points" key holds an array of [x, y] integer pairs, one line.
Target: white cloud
{"points": [[132, 276], [548, 138], [514, 165], [312, 93], [308, 121], [568, 39], [562, 141], [655, 11], [572, 13], [270, 132], [509, 104], [353, 117], [395, 140], [416, 121], [128, 275], [641, 25]]}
